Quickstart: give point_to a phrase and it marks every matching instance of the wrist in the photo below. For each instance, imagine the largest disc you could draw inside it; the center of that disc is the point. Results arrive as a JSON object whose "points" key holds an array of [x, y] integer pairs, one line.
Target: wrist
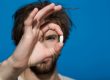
{"points": [[7, 72]]}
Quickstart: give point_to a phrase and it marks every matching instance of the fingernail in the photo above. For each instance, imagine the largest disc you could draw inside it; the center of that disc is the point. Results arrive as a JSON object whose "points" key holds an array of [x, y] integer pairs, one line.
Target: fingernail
{"points": [[53, 4], [36, 9], [61, 39], [60, 6]]}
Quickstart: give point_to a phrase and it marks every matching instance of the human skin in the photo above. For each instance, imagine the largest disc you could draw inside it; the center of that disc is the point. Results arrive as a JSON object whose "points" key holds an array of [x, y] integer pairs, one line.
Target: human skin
{"points": [[11, 68]]}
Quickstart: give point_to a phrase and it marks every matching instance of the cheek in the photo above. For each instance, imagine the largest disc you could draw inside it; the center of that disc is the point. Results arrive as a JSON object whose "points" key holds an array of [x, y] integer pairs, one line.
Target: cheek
{"points": [[50, 44]]}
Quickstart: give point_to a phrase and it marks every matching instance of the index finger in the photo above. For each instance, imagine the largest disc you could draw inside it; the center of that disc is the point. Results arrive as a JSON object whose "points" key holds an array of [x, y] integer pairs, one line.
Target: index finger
{"points": [[53, 27], [44, 11], [29, 20]]}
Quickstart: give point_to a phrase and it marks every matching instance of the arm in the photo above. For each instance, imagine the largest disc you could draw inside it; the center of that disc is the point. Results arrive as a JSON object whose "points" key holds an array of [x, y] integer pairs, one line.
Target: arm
{"points": [[11, 68]]}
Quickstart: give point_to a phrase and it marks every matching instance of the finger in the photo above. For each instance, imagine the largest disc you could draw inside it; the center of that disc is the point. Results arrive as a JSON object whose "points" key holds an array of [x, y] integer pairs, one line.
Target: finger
{"points": [[56, 8], [55, 50], [45, 29], [40, 35], [45, 14], [51, 52], [37, 33], [54, 28], [61, 39], [58, 47], [29, 20], [44, 11]]}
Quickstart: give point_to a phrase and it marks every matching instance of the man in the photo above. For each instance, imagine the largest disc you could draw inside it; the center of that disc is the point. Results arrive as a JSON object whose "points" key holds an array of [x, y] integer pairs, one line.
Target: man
{"points": [[37, 33]]}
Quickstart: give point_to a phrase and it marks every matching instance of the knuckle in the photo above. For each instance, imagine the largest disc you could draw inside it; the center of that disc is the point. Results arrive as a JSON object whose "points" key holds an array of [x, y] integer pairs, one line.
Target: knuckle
{"points": [[27, 22], [31, 15]]}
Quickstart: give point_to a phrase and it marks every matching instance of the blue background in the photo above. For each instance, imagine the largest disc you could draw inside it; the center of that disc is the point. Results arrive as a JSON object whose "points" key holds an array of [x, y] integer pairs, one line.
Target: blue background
{"points": [[86, 55]]}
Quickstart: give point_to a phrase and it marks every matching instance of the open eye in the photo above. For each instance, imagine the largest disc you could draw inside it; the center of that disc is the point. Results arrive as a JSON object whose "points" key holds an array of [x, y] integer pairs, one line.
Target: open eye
{"points": [[51, 37]]}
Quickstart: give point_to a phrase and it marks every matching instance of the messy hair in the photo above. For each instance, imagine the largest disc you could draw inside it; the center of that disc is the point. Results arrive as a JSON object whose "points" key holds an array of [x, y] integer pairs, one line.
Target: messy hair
{"points": [[61, 18]]}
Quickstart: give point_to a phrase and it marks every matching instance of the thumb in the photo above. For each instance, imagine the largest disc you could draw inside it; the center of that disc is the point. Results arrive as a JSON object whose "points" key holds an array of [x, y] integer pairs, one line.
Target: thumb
{"points": [[58, 47]]}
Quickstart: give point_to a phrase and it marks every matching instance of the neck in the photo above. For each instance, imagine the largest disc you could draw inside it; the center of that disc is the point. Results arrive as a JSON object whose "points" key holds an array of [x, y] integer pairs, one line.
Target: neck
{"points": [[29, 75]]}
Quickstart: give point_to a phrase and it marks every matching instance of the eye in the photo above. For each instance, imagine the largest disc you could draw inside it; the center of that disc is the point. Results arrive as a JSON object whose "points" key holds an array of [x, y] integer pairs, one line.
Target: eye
{"points": [[51, 37]]}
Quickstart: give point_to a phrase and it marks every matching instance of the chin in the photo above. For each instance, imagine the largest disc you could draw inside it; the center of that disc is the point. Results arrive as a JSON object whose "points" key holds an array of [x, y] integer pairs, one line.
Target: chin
{"points": [[45, 67]]}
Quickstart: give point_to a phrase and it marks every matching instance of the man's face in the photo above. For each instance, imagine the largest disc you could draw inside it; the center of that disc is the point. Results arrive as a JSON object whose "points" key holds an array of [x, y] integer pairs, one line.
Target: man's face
{"points": [[49, 39]]}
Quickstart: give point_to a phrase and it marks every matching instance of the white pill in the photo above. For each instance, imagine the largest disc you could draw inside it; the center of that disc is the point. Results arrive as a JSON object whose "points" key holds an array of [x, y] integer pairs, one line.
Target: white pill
{"points": [[61, 39]]}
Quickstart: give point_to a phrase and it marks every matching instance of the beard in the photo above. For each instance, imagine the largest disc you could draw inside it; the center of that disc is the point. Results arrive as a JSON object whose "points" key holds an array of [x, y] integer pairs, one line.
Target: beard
{"points": [[47, 66]]}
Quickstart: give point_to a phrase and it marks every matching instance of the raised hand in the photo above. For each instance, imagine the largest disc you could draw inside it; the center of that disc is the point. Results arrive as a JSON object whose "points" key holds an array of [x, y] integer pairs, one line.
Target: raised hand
{"points": [[40, 51], [23, 55]]}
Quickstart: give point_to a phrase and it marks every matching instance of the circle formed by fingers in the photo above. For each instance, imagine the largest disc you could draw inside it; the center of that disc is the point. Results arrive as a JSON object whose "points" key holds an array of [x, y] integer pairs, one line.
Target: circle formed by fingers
{"points": [[54, 27]]}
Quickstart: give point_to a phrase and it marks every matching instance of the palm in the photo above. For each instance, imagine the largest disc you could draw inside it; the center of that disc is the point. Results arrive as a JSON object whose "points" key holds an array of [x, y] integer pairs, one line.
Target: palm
{"points": [[39, 53]]}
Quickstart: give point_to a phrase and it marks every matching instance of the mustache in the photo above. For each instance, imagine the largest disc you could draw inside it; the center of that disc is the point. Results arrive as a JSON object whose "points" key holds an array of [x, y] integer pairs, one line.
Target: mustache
{"points": [[50, 69]]}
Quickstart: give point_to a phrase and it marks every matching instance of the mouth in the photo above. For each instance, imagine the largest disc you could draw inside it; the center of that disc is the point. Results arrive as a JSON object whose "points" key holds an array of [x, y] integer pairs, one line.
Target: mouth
{"points": [[44, 67]]}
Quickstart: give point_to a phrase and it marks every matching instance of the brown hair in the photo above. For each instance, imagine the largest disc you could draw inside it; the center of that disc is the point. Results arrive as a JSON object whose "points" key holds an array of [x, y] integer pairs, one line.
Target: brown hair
{"points": [[60, 18]]}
